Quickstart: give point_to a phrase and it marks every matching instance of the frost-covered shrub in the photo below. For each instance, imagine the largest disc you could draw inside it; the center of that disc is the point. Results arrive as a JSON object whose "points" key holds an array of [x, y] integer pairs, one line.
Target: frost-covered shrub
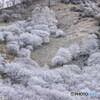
{"points": [[64, 53], [16, 16], [62, 57], [7, 36], [58, 61], [88, 12], [24, 53], [25, 80], [14, 29], [20, 24], [17, 73], [29, 47], [4, 28], [28, 29], [13, 47], [11, 37], [35, 14], [5, 17], [43, 34], [89, 9], [94, 59], [30, 39], [9, 12], [36, 81], [21, 44], [89, 44], [60, 33], [53, 29], [6, 33], [43, 16], [74, 50], [8, 89], [20, 10], [27, 62], [42, 27]]}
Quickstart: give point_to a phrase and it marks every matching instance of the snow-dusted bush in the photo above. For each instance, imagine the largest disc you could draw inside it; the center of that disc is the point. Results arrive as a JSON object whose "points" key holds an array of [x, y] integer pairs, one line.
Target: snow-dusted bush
{"points": [[88, 12], [14, 29], [20, 10], [13, 47], [25, 80], [29, 47], [24, 53], [60, 33], [27, 62], [28, 29], [43, 34], [53, 29], [5, 17], [64, 53], [62, 57], [89, 9], [11, 37], [30, 39], [20, 24], [16, 16], [6, 33], [74, 50], [89, 44], [7, 36], [35, 14], [58, 61], [4, 28], [94, 59], [17, 73], [9, 12], [44, 16]]}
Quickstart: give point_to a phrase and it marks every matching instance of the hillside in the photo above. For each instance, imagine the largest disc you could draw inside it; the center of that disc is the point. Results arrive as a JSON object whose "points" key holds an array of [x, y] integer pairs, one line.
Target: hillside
{"points": [[50, 53]]}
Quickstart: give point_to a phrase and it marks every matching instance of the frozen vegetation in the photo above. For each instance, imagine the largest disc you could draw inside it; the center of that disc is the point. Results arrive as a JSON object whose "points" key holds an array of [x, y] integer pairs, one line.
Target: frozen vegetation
{"points": [[31, 34], [24, 79]]}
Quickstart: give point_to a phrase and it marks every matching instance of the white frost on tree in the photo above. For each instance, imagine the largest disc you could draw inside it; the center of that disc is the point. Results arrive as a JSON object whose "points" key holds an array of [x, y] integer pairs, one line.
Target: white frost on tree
{"points": [[60, 33], [74, 50], [89, 44], [94, 59], [62, 57]]}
